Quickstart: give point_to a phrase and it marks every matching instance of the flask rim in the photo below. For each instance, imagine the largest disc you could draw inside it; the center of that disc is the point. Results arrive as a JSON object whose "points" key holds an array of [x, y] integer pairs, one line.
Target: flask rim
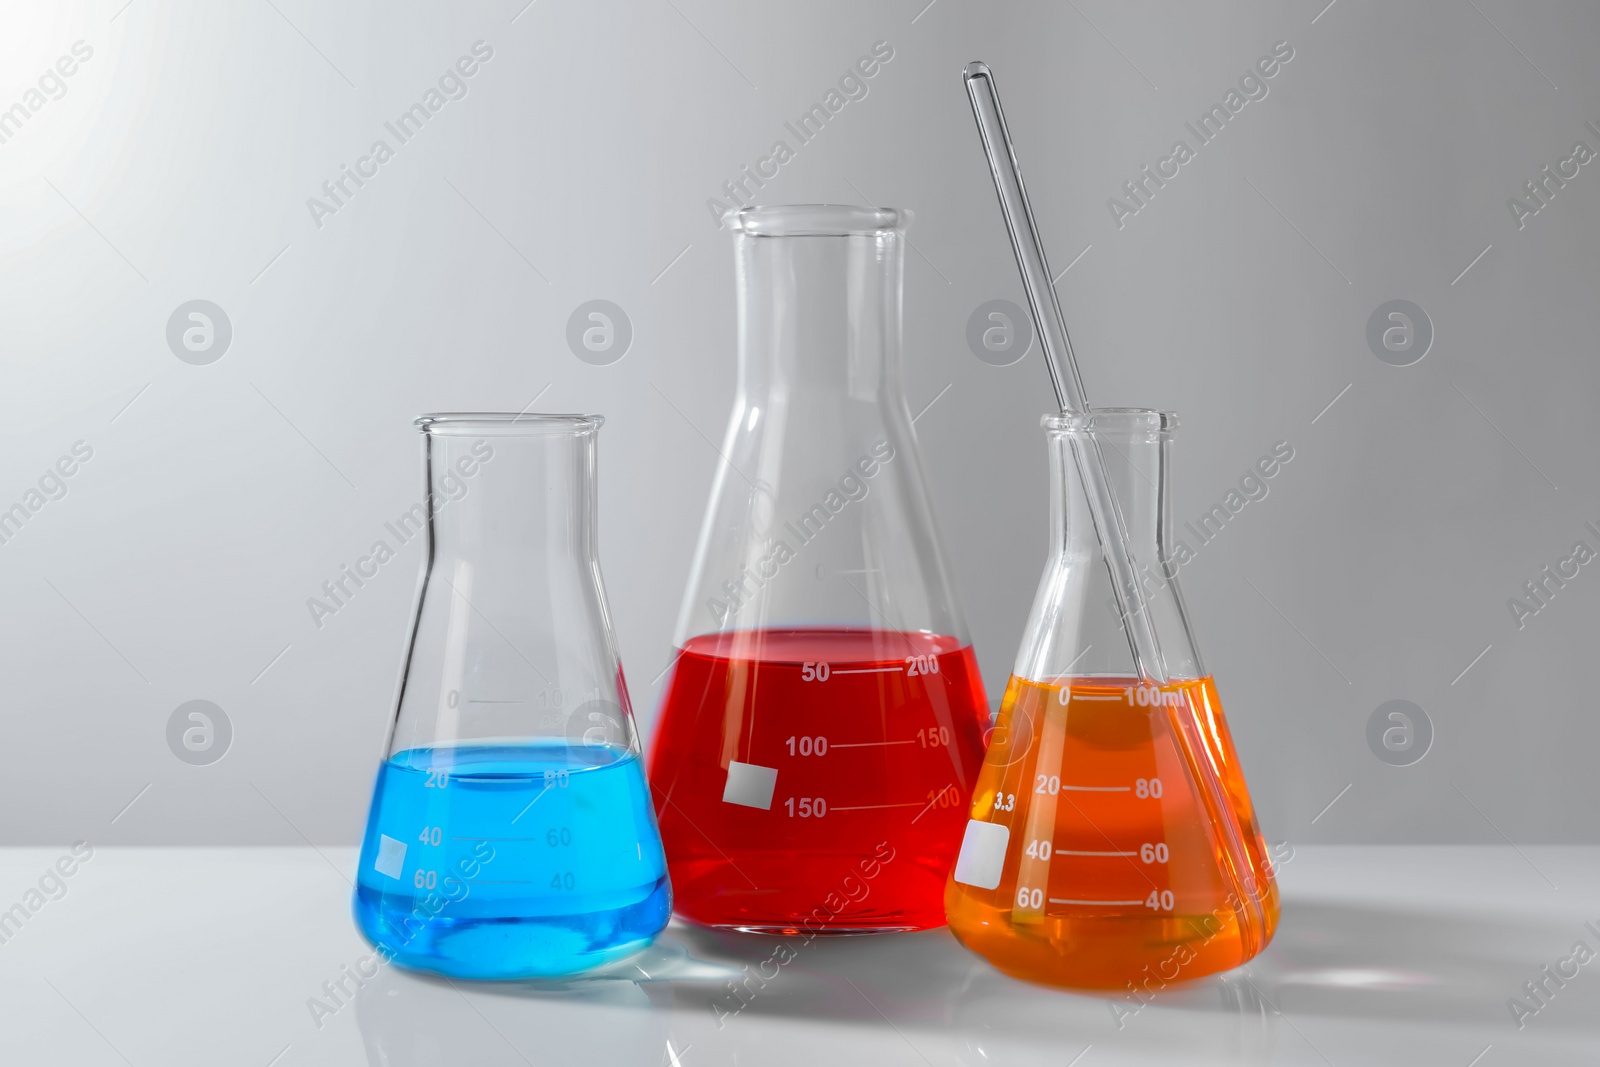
{"points": [[1119, 422], [505, 423], [816, 220]]}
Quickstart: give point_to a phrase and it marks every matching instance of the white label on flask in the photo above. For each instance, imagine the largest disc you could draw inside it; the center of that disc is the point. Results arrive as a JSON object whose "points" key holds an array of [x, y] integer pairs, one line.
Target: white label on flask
{"points": [[391, 856], [750, 785], [983, 854]]}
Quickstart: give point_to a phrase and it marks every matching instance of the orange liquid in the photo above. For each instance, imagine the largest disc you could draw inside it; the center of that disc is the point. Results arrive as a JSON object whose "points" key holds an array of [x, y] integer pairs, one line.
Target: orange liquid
{"points": [[1131, 854]]}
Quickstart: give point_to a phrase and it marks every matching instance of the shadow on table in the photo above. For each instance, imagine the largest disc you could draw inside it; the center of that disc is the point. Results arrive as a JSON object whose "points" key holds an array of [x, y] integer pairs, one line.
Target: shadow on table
{"points": [[1441, 971]]}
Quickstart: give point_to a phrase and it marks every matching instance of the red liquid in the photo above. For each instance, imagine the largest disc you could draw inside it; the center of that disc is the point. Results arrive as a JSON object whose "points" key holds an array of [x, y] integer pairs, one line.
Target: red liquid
{"points": [[876, 738]]}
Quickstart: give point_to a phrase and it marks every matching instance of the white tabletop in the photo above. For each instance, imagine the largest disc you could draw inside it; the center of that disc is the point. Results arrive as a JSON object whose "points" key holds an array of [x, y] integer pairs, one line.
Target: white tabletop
{"points": [[173, 956]]}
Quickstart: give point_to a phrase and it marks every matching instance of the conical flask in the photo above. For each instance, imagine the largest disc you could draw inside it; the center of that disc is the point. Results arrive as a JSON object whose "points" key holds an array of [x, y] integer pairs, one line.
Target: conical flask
{"points": [[510, 833], [822, 727], [1112, 842]]}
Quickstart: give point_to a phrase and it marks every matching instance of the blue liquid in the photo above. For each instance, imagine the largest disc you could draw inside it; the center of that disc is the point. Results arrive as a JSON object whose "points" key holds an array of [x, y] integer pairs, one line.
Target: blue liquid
{"points": [[512, 860]]}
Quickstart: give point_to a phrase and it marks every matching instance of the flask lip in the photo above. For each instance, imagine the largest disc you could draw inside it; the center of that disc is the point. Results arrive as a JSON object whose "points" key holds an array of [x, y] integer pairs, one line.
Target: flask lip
{"points": [[505, 423], [816, 220], [1119, 422]]}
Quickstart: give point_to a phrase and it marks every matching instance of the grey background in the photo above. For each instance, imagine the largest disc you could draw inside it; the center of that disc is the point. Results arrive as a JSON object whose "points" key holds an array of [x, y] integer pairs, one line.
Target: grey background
{"points": [[177, 167]]}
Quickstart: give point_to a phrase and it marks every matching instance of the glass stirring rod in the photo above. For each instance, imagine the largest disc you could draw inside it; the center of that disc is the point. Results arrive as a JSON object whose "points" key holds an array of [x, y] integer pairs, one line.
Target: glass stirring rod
{"points": [[1052, 330]]}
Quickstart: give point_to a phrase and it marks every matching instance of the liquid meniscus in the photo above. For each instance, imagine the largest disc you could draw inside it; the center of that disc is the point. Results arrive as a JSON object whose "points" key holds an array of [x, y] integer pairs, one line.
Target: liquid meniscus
{"points": [[1102, 848], [816, 778], [511, 860]]}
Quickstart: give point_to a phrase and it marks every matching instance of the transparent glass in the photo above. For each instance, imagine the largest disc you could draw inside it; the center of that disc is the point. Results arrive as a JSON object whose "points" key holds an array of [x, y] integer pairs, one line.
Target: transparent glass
{"points": [[1112, 842], [510, 833], [821, 730]]}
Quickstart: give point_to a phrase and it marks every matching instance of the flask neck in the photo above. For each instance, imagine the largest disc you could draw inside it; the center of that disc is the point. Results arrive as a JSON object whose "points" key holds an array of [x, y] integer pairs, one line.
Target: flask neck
{"points": [[1076, 627], [509, 502], [1138, 472], [819, 314]]}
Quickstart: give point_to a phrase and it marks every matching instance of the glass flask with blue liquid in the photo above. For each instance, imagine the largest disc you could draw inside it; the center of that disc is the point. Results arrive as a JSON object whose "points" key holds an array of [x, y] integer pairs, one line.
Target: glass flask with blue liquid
{"points": [[511, 833]]}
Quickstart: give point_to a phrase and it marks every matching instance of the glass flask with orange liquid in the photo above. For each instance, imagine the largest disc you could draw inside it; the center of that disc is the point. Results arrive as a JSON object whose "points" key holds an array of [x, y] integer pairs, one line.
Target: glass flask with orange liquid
{"points": [[821, 729], [1111, 840]]}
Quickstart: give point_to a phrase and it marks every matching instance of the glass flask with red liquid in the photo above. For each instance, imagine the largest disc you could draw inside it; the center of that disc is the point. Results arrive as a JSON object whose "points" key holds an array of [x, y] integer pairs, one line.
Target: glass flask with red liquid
{"points": [[1111, 841], [822, 726]]}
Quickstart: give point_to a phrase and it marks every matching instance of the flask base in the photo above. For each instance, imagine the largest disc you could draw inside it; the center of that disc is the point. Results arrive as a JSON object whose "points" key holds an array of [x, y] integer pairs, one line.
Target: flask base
{"points": [[833, 894], [779, 930], [1112, 843], [510, 860], [815, 779], [1143, 955], [545, 946]]}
